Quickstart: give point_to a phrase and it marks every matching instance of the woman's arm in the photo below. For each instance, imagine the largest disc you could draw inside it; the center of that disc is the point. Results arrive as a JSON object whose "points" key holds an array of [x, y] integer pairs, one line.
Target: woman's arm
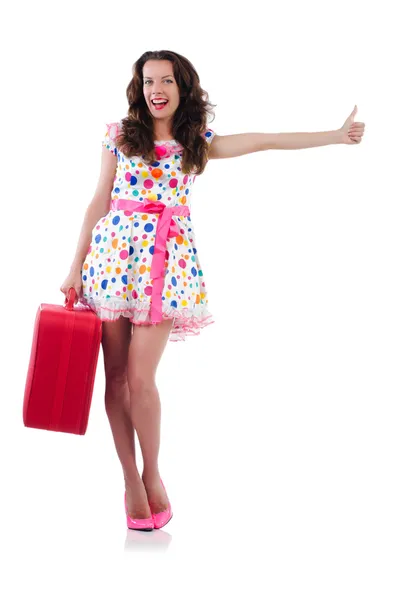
{"points": [[229, 146], [97, 208]]}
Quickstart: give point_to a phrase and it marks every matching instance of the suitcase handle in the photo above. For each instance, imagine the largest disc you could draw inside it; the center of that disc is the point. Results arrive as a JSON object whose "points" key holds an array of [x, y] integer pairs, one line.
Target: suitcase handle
{"points": [[69, 300]]}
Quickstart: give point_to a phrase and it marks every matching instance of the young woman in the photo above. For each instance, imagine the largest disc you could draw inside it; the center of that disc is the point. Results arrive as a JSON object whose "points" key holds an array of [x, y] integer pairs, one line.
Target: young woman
{"points": [[141, 273]]}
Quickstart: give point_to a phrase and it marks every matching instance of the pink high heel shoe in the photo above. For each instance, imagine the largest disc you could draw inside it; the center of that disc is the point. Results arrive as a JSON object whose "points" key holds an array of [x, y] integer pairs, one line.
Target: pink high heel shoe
{"points": [[140, 524], [162, 518]]}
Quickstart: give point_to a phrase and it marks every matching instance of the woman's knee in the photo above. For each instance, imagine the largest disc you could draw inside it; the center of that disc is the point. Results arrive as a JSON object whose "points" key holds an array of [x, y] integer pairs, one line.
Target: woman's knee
{"points": [[140, 383], [116, 375]]}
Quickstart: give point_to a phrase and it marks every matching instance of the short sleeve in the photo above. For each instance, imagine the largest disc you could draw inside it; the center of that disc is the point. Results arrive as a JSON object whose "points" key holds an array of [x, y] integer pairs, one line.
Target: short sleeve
{"points": [[209, 135], [109, 139]]}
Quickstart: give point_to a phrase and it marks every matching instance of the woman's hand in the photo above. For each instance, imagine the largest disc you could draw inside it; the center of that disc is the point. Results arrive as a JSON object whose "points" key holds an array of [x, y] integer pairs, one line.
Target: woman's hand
{"points": [[73, 280], [352, 132]]}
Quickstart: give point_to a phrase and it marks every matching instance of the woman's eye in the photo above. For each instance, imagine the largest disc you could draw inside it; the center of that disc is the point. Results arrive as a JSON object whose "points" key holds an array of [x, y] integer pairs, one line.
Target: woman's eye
{"points": [[148, 80]]}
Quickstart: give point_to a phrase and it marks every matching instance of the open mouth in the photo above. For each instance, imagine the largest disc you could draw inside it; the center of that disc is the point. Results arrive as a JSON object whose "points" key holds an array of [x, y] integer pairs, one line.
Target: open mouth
{"points": [[159, 105]]}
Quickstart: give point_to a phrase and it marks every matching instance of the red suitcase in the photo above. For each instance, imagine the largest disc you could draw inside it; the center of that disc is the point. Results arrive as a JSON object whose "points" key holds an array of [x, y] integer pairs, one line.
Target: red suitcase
{"points": [[62, 367]]}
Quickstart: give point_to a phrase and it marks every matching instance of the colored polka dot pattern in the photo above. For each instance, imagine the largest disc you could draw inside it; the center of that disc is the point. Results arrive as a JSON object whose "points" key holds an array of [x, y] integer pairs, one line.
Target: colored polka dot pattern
{"points": [[116, 271]]}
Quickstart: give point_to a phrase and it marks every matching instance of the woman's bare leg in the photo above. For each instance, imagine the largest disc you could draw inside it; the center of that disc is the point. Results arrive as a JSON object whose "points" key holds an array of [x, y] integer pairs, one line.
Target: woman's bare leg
{"points": [[146, 348], [116, 338]]}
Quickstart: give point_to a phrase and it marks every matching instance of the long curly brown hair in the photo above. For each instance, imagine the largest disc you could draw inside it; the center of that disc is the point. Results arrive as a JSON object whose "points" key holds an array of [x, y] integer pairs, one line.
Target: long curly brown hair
{"points": [[136, 137]]}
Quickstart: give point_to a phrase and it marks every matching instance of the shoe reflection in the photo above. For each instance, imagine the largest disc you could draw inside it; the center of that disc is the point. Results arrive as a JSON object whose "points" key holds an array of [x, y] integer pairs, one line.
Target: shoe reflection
{"points": [[150, 541]]}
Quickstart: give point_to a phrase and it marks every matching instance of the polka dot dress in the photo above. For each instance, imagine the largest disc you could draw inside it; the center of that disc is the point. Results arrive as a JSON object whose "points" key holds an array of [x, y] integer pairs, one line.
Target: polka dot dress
{"points": [[116, 273]]}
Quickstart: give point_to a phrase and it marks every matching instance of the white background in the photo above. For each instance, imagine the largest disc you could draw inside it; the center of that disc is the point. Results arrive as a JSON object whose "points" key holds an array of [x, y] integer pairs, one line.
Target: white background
{"points": [[278, 446]]}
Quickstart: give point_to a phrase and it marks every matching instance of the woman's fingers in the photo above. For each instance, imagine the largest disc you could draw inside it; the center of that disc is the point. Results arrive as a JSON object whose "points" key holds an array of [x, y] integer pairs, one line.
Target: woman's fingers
{"points": [[356, 133], [357, 127]]}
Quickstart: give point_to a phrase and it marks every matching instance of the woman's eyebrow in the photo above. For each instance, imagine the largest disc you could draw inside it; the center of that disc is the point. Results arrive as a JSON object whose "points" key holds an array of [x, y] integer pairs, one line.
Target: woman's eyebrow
{"points": [[161, 78]]}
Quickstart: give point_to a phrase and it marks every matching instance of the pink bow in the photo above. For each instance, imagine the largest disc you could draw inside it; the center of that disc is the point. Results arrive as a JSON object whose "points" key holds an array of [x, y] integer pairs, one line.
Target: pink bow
{"points": [[166, 229]]}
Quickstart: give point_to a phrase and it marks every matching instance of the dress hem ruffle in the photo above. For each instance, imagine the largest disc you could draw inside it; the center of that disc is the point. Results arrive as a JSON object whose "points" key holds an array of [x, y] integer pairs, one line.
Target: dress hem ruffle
{"points": [[185, 321]]}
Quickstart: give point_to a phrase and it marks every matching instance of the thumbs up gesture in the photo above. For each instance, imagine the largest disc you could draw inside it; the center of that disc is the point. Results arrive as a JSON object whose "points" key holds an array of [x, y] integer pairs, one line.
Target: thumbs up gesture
{"points": [[352, 132]]}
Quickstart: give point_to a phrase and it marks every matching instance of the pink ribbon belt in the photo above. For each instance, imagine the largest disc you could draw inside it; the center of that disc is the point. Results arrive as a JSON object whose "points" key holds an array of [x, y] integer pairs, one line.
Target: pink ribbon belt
{"points": [[166, 229]]}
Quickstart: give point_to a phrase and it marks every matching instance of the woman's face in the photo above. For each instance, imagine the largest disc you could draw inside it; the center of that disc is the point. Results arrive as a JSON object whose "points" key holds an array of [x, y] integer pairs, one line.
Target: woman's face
{"points": [[159, 82]]}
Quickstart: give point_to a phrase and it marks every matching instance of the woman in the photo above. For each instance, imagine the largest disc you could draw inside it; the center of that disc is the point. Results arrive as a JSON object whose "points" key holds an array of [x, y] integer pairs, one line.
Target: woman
{"points": [[142, 274]]}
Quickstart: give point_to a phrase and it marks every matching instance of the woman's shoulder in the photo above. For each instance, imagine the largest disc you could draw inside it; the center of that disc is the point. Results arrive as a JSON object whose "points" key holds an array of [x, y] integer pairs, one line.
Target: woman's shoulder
{"points": [[209, 135], [113, 129], [110, 136]]}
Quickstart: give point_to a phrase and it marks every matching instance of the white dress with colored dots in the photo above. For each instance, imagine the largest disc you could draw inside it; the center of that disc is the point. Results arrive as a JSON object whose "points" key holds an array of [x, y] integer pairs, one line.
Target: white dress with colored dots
{"points": [[116, 273]]}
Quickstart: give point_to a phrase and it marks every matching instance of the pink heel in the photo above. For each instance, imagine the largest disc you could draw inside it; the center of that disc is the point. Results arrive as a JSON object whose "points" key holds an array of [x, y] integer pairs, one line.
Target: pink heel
{"points": [[162, 518], [140, 524]]}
